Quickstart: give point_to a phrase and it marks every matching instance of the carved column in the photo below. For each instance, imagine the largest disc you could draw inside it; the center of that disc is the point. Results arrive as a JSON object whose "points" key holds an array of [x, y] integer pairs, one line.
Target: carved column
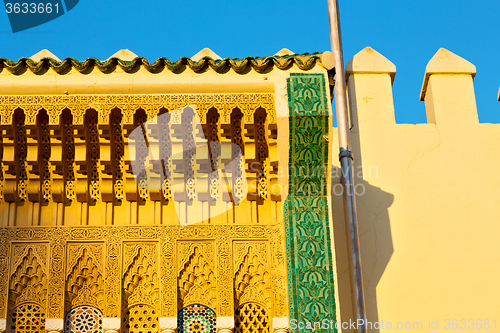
{"points": [[44, 150], [112, 281], [1, 170], [261, 152], [168, 324], [141, 154], [4, 274], [189, 155], [93, 156], [237, 156], [225, 276], [215, 154], [225, 324], [54, 322], [117, 153], [68, 158], [168, 276], [165, 154], [21, 153]]}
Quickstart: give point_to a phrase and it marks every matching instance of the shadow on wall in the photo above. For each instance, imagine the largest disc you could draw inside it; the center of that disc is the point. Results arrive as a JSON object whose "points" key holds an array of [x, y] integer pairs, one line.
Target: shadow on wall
{"points": [[375, 247], [374, 229]]}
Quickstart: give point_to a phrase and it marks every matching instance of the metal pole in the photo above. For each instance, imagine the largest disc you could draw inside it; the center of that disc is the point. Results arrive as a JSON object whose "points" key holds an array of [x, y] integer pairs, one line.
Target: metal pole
{"points": [[345, 157]]}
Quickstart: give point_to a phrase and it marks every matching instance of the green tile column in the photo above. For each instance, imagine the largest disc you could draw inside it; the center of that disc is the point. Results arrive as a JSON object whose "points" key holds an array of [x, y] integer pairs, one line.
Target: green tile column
{"points": [[309, 261]]}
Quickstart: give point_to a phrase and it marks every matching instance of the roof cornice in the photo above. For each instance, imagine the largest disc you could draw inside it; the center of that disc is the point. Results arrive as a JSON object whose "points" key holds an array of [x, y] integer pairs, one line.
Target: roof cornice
{"points": [[303, 61]]}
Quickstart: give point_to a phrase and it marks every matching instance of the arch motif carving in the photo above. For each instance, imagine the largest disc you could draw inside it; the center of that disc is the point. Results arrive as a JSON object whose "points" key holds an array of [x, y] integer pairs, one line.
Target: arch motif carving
{"points": [[28, 282], [221, 256], [28, 288], [84, 282], [252, 280], [140, 280], [196, 279]]}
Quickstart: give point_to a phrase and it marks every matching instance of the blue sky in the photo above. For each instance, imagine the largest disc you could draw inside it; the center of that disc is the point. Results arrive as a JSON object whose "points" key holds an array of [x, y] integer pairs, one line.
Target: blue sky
{"points": [[407, 32]]}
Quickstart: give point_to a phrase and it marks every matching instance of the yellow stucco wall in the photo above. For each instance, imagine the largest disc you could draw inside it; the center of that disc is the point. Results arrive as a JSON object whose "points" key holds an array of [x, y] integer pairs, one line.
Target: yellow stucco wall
{"points": [[428, 217]]}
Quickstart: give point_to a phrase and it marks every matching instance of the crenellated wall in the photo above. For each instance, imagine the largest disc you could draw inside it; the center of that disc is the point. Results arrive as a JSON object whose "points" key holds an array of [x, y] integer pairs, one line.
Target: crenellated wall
{"points": [[427, 199]]}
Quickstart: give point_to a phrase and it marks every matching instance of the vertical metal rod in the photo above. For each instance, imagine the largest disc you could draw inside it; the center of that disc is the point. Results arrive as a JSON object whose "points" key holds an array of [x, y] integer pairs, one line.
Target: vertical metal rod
{"points": [[345, 157]]}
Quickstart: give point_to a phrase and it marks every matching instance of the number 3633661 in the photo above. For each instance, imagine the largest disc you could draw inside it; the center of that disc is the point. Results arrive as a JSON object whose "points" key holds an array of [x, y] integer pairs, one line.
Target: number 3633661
{"points": [[28, 14]]}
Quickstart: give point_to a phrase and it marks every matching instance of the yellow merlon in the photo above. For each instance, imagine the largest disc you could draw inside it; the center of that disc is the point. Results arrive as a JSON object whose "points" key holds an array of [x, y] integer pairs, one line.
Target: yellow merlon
{"points": [[427, 199]]}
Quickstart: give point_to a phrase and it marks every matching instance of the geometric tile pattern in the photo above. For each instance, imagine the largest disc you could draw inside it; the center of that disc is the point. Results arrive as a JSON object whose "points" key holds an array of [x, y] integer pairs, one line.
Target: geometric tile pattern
{"points": [[308, 245], [196, 318], [83, 319]]}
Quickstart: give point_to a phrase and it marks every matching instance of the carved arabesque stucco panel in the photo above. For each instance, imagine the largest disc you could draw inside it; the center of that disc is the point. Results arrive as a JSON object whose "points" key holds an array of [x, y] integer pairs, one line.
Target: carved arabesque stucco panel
{"points": [[174, 245], [128, 104]]}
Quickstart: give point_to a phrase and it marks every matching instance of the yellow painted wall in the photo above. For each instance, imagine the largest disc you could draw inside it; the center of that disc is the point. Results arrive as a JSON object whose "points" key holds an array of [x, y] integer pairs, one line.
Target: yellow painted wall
{"points": [[429, 217]]}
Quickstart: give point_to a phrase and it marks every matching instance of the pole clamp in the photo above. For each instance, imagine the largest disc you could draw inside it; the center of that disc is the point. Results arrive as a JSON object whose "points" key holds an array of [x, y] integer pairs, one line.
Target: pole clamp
{"points": [[345, 153]]}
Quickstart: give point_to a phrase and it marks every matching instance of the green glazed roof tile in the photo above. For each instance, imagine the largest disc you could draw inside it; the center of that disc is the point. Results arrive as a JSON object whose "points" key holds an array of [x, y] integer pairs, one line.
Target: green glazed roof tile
{"points": [[303, 61]]}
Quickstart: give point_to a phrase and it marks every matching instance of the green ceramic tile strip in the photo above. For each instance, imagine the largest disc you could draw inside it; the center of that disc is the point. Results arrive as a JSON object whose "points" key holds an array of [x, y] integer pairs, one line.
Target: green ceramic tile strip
{"points": [[307, 95], [309, 261]]}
